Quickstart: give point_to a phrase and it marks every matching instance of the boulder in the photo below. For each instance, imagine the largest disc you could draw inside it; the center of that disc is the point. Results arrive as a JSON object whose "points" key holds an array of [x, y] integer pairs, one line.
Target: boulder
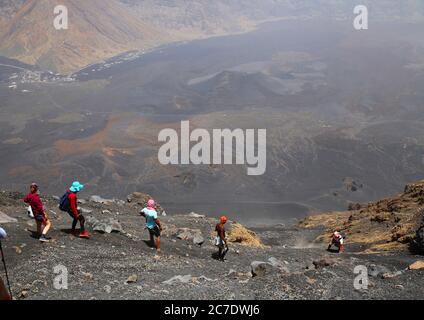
{"points": [[280, 265], [100, 200], [417, 265], [189, 234], [196, 215], [105, 226], [198, 239], [140, 199], [178, 279], [377, 270], [260, 268], [132, 279], [4, 218]]}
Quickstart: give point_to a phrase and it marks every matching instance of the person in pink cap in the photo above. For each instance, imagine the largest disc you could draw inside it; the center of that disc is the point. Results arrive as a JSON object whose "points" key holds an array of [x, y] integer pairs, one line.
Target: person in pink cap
{"points": [[152, 223]]}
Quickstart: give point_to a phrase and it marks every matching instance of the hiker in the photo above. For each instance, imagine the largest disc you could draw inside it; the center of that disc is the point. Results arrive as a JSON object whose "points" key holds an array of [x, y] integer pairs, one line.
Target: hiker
{"points": [[152, 223], [337, 239], [69, 204], [41, 218], [220, 240], [4, 293]]}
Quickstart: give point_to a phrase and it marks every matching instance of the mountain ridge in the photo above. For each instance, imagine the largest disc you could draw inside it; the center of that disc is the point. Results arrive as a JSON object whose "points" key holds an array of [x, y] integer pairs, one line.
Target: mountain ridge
{"points": [[115, 25], [97, 30]]}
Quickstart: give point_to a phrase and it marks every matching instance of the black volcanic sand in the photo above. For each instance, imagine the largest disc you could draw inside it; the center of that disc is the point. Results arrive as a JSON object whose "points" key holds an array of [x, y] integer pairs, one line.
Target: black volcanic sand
{"points": [[99, 267], [336, 103]]}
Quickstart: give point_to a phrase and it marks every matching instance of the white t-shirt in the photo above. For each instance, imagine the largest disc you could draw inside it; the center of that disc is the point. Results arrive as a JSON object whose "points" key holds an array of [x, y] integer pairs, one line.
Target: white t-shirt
{"points": [[151, 215]]}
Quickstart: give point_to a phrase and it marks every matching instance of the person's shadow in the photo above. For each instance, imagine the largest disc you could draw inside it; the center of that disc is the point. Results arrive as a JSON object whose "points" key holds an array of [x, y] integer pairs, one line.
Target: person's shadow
{"points": [[70, 232], [33, 234], [215, 255], [149, 243]]}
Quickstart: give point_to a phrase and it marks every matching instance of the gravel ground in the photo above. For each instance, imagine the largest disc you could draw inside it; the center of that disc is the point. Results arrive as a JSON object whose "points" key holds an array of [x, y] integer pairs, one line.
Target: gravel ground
{"points": [[100, 267]]}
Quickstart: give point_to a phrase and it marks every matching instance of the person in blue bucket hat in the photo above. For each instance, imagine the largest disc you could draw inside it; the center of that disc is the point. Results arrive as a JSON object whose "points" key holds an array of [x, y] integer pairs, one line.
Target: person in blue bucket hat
{"points": [[76, 187], [69, 204]]}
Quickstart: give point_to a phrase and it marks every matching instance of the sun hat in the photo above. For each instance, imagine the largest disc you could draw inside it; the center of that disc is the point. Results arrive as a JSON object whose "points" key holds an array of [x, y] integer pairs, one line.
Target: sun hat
{"points": [[76, 187]]}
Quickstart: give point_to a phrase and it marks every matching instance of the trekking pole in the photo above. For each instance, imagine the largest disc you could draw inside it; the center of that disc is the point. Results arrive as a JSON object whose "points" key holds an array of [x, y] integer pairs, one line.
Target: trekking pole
{"points": [[5, 271]]}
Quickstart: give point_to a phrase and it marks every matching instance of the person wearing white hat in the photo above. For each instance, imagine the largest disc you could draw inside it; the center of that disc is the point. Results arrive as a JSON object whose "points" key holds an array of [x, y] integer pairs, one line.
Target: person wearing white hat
{"points": [[337, 239]]}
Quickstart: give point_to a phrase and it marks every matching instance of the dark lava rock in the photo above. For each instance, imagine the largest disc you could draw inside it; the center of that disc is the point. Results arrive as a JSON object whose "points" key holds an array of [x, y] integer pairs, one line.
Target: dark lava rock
{"points": [[140, 199], [325, 262], [260, 268], [377, 270], [420, 238]]}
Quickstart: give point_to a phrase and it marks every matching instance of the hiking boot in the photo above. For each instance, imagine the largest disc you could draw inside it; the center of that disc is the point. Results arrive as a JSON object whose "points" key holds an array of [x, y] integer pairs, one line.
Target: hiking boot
{"points": [[84, 234], [43, 238]]}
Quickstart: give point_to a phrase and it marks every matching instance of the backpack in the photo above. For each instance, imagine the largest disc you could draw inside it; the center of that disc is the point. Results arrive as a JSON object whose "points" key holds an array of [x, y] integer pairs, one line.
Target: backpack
{"points": [[64, 204]]}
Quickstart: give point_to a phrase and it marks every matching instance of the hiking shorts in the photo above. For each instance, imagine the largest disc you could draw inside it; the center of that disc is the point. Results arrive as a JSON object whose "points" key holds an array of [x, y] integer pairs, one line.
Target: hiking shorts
{"points": [[155, 231], [40, 218]]}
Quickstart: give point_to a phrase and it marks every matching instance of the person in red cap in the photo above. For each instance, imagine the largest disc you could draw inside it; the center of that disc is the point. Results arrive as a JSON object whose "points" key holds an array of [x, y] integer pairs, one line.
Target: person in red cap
{"points": [[221, 240], [41, 218]]}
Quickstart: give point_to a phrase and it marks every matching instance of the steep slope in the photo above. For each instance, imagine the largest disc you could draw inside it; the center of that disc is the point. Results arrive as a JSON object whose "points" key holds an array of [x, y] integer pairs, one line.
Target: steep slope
{"points": [[388, 224], [97, 30], [121, 265]]}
